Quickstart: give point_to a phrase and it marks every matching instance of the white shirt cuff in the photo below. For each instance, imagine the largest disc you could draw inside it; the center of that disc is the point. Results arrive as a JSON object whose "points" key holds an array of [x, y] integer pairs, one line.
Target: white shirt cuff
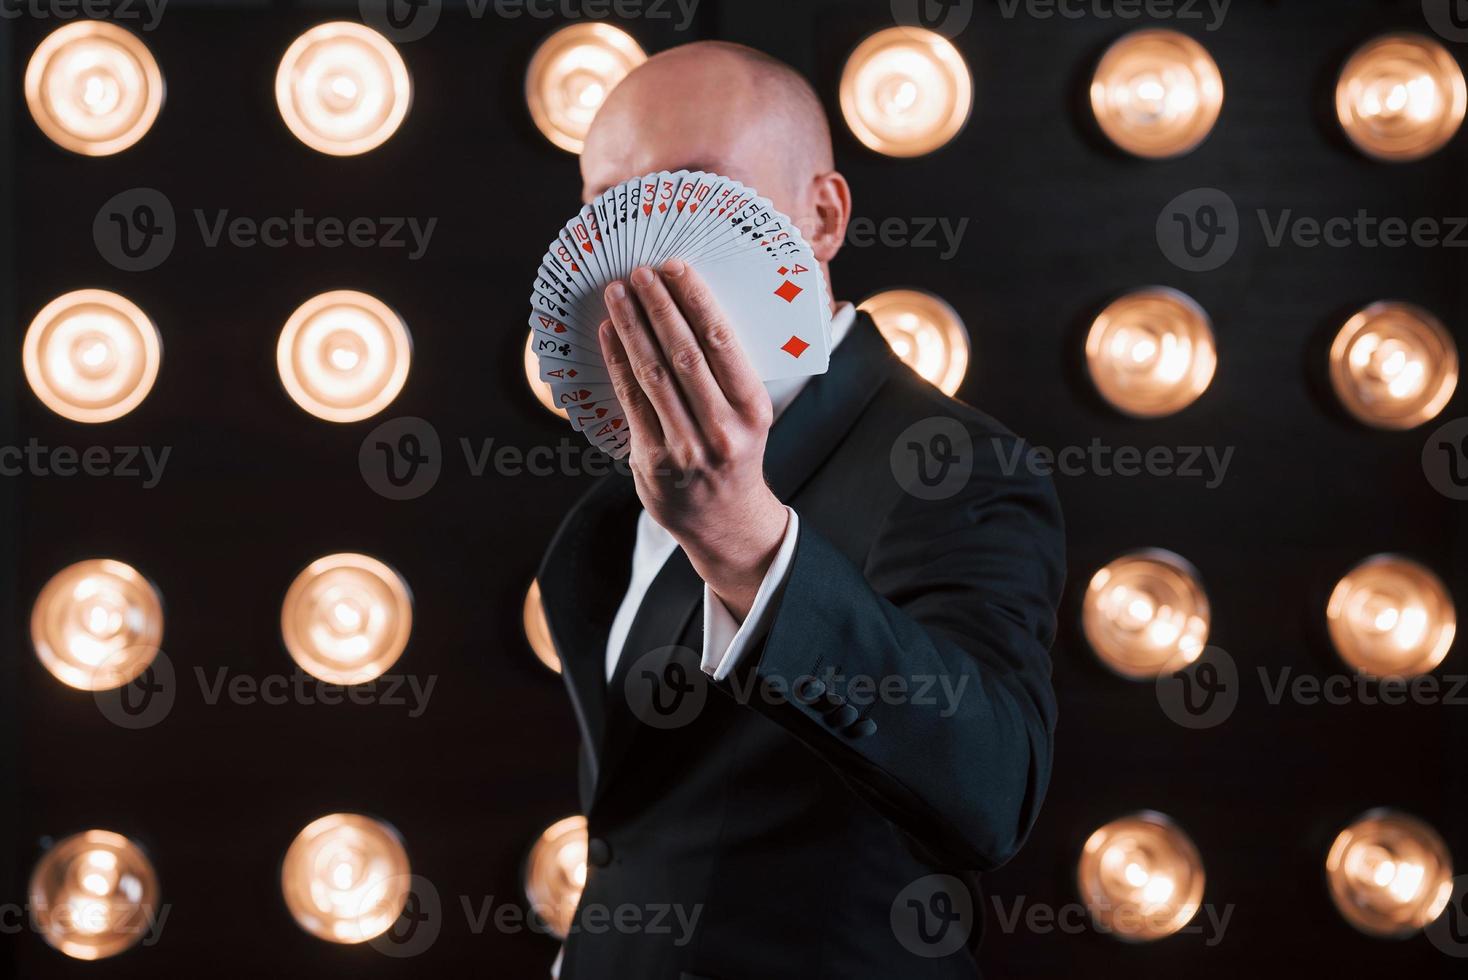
{"points": [[725, 639]]}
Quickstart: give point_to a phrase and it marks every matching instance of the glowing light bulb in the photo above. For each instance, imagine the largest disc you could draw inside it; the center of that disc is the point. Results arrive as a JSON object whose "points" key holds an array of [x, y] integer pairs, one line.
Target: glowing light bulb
{"points": [[343, 356], [1140, 877], [94, 895], [93, 88], [1393, 365], [1156, 93], [346, 877], [906, 92], [537, 630], [1389, 873], [91, 356], [1146, 614], [342, 88], [97, 624], [925, 333], [1400, 97], [571, 75], [555, 873], [1391, 617], [346, 618], [1150, 353]]}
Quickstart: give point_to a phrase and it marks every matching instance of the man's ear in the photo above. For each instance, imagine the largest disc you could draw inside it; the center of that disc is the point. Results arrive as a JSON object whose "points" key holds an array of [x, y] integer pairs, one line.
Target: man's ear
{"points": [[831, 204]]}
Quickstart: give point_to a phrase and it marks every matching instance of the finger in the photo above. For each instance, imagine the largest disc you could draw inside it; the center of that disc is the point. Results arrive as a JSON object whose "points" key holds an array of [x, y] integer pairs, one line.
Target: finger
{"points": [[649, 372], [682, 352], [727, 361], [640, 415]]}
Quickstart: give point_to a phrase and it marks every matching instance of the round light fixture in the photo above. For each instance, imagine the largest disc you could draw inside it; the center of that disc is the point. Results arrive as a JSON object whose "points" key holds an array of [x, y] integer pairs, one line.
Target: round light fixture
{"points": [[1140, 877], [346, 878], [1150, 353], [97, 624], [342, 88], [1400, 97], [93, 88], [94, 895], [91, 355], [537, 630], [343, 356], [906, 92], [555, 874], [346, 618], [1146, 614], [571, 75], [1389, 874], [1393, 365], [1156, 93], [925, 333], [1391, 617]]}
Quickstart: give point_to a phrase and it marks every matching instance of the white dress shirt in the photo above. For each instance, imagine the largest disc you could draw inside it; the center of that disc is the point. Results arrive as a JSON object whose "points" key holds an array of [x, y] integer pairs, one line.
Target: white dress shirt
{"points": [[724, 638]]}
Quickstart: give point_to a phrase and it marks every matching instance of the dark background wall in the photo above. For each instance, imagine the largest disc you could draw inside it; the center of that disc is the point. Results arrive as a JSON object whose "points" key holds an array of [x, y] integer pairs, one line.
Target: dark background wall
{"points": [[1059, 224]]}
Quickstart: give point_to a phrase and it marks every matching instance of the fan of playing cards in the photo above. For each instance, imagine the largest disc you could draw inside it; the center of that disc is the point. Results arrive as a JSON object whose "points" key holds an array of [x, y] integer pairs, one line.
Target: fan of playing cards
{"points": [[752, 257]]}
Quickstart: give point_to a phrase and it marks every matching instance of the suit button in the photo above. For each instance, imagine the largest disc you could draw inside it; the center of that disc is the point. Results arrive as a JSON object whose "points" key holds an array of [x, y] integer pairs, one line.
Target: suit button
{"points": [[861, 729], [809, 689], [842, 716], [598, 853]]}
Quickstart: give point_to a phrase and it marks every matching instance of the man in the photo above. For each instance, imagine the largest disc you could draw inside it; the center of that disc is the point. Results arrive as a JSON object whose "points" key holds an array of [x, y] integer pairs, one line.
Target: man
{"points": [[814, 695]]}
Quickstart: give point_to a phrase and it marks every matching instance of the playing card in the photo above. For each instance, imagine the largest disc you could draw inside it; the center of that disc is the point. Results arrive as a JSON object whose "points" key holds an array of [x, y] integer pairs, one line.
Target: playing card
{"points": [[753, 258]]}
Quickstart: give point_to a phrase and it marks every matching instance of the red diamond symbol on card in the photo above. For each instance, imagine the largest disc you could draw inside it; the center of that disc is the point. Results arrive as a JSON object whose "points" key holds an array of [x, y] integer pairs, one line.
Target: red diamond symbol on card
{"points": [[794, 347], [680, 205], [789, 291], [782, 270], [662, 207], [571, 373]]}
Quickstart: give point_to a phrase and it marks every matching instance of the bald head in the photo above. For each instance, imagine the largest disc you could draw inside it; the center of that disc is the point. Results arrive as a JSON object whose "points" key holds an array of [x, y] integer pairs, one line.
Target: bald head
{"points": [[726, 109]]}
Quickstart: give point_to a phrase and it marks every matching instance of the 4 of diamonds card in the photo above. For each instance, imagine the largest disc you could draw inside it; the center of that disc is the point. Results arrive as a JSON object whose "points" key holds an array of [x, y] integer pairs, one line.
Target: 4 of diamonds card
{"points": [[753, 258]]}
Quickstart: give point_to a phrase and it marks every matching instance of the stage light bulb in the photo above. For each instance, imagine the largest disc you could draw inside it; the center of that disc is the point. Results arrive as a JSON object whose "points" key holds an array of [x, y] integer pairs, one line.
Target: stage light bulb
{"points": [[346, 878], [1391, 617], [93, 88], [1151, 353], [344, 356], [925, 333], [1140, 877], [1393, 365], [346, 618], [1156, 93], [1146, 614], [94, 895], [906, 92], [555, 874], [342, 88], [91, 355], [537, 630], [1400, 97], [542, 389], [97, 624], [1389, 873], [571, 75]]}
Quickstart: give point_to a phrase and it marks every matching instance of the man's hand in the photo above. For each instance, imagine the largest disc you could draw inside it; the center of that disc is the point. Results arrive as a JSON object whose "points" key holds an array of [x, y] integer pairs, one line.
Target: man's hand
{"points": [[699, 418]]}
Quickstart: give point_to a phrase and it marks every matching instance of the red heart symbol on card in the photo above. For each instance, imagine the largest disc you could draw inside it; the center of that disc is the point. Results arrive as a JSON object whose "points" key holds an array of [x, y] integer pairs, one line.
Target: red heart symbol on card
{"points": [[647, 209], [560, 328], [587, 246], [680, 205]]}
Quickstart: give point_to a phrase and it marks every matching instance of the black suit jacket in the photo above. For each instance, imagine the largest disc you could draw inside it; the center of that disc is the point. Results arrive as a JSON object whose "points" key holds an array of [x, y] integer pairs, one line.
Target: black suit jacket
{"points": [[789, 822]]}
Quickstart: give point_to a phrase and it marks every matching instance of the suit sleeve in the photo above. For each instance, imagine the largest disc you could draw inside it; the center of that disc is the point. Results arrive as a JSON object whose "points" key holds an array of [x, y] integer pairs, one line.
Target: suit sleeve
{"points": [[924, 677]]}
